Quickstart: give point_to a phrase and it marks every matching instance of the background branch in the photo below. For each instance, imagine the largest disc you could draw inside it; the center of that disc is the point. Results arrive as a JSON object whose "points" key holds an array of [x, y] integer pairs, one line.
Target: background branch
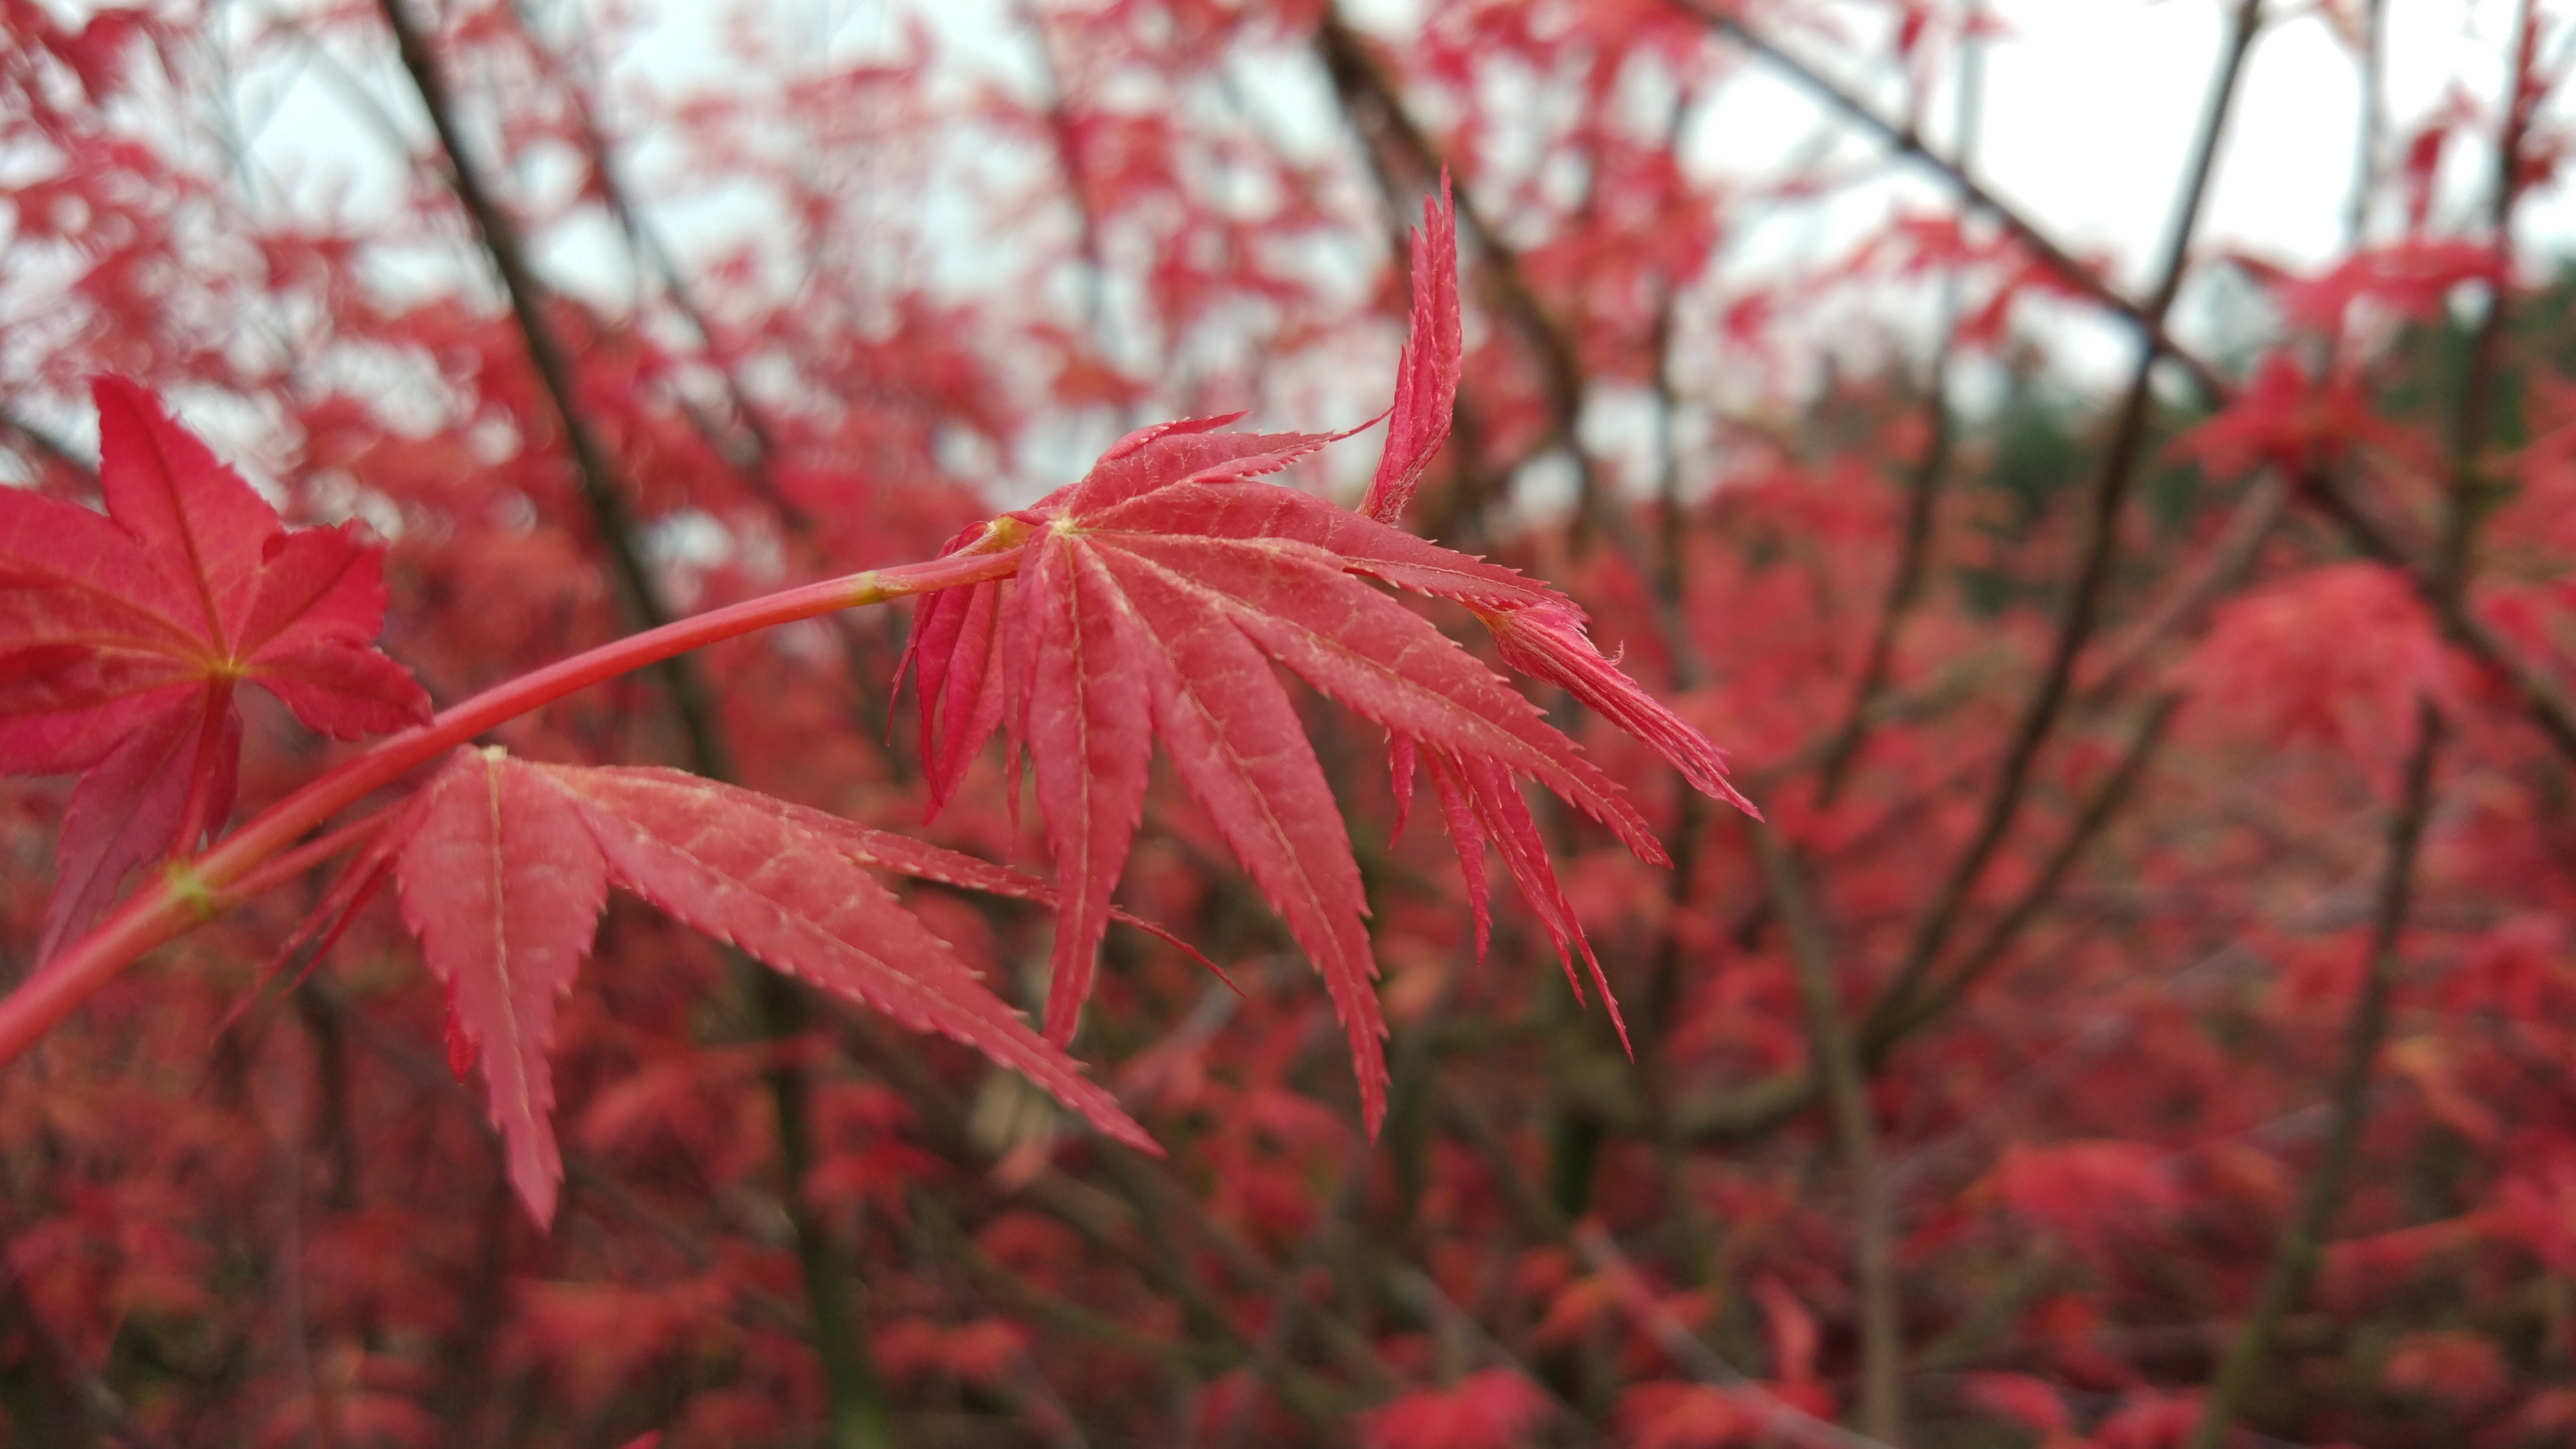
{"points": [[860, 1417]]}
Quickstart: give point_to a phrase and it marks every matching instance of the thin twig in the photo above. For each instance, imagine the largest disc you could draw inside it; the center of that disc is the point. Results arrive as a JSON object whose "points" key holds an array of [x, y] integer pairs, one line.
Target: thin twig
{"points": [[1411, 1066], [1602, 1253], [2374, 122], [1923, 480], [2301, 1244], [1892, 1019], [1904, 585], [2547, 705], [2148, 317], [1371, 97], [603, 492], [1882, 1343], [60, 1363], [1752, 1110], [2239, 541]]}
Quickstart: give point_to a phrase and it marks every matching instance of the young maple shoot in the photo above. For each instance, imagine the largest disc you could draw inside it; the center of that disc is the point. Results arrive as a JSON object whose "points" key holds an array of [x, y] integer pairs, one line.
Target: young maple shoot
{"points": [[1161, 587]]}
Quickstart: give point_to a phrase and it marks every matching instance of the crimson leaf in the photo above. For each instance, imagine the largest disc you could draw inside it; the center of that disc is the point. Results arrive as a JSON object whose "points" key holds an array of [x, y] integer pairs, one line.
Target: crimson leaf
{"points": [[506, 864], [122, 638]]}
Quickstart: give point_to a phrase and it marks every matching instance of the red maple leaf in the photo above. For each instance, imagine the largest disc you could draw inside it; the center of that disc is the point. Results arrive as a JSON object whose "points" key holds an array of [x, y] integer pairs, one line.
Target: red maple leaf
{"points": [[2411, 278], [1151, 600], [2297, 423], [1491, 1409], [123, 637], [503, 866]]}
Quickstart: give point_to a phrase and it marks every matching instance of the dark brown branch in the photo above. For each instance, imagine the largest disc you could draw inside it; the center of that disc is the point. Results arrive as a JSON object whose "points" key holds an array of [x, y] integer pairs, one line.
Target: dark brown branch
{"points": [[2228, 558], [2374, 121], [2548, 706], [1370, 93], [603, 492], [1067, 139], [1602, 1254], [80, 1394], [1892, 1018], [1923, 480], [2147, 316], [858, 1409], [2294, 1257], [1904, 586], [1194, 1359], [1409, 1070], [2302, 1241], [2106, 502]]}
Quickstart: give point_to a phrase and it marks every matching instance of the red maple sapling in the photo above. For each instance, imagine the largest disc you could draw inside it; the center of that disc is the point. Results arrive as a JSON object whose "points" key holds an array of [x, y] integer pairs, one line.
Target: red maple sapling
{"points": [[1160, 587]]}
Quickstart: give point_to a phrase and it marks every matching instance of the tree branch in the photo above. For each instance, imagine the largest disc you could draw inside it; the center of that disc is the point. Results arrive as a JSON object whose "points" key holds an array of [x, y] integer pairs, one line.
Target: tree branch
{"points": [[2148, 317], [1377, 109], [1923, 483], [858, 1410], [1602, 1254], [1846, 1089], [2294, 1257], [1891, 1019], [2547, 705], [1751, 1110], [2101, 536]]}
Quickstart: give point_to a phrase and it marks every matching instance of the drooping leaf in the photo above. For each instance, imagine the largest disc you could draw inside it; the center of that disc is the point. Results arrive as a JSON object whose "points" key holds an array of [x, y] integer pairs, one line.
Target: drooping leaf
{"points": [[1086, 701], [1235, 740], [1371, 654], [504, 866], [786, 884], [1467, 834], [1550, 642], [501, 881], [1505, 818], [121, 634]]}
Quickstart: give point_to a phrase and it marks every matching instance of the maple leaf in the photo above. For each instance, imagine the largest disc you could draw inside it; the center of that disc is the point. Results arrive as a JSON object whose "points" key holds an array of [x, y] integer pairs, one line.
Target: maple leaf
{"points": [[2411, 278], [1490, 1409], [1668, 1414], [1426, 376], [2032, 1403], [1161, 588], [2338, 654], [503, 865], [123, 638], [2296, 423]]}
